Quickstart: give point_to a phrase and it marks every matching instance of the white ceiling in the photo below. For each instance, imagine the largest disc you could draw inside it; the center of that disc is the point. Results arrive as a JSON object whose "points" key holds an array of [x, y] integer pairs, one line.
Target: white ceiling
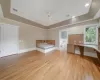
{"points": [[38, 10]]}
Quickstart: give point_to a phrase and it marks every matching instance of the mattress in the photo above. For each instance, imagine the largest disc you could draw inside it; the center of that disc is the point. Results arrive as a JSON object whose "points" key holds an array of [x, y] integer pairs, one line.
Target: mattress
{"points": [[45, 46]]}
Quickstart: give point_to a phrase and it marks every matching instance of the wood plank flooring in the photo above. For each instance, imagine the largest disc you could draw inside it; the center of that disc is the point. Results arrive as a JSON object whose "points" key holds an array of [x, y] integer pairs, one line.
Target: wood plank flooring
{"points": [[54, 66]]}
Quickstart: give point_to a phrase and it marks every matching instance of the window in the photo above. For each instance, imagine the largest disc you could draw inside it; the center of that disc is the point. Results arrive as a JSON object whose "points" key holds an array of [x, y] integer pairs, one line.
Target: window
{"points": [[91, 34]]}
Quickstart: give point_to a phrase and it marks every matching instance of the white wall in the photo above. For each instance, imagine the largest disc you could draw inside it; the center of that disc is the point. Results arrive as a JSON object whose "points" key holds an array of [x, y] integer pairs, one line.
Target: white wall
{"points": [[99, 22], [1, 13], [74, 29], [54, 33], [27, 34]]}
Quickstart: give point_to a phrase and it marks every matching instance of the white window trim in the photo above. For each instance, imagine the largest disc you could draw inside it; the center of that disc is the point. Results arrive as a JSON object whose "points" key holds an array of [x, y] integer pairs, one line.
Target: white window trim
{"points": [[91, 43]]}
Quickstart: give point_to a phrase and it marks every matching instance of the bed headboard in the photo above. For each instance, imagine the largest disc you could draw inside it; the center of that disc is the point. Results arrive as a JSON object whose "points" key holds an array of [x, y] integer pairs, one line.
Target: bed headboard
{"points": [[50, 42], [45, 41]]}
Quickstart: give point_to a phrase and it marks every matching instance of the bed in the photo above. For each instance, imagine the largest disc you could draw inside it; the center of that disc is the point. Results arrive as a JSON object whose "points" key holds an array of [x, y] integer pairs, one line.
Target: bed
{"points": [[45, 46]]}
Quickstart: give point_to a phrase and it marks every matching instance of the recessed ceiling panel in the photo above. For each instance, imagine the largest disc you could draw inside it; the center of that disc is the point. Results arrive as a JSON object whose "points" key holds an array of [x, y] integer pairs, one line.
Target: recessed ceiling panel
{"points": [[48, 12]]}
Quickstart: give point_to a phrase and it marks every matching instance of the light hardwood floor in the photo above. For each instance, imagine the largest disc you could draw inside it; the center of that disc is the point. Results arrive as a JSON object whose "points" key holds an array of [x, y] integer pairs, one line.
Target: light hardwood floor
{"points": [[54, 66]]}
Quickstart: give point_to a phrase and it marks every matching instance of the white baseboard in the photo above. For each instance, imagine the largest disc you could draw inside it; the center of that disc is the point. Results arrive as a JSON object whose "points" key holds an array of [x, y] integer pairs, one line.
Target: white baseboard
{"points": [[46, 51], [21, 51], [31, 49], [8, 55], [27, 50]]}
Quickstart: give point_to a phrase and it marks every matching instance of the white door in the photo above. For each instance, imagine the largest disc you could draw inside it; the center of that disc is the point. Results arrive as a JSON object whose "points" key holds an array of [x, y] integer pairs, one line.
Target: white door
{"points": [[63, 39], [9, 40]]}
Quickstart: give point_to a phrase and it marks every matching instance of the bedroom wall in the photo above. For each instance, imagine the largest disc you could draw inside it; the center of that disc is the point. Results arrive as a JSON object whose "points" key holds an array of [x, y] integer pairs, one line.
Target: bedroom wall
{"points": [[27, 34], [99, 21], [72, 29], [1, 13]]}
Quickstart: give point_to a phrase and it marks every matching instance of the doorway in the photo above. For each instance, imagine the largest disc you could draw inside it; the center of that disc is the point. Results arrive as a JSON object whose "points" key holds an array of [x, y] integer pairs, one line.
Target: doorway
{"points": [[63, 39]]}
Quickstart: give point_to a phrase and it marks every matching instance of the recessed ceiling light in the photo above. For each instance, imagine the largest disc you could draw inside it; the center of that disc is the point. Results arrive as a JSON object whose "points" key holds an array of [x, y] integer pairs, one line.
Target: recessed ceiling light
{"points": [[87, 4], [73, 16], [67, 15], [15, 10]]}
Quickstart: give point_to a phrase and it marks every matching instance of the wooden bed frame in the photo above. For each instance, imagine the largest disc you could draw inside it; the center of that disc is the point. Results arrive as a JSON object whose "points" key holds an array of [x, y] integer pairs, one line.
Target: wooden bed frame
{"points": [[45, 41]]}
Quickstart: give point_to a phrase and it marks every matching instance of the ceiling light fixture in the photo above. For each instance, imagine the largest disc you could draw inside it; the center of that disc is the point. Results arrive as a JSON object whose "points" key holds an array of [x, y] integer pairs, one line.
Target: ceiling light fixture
{"points": [[73, 16], [15, 10], [49, 15], [87, 4]]}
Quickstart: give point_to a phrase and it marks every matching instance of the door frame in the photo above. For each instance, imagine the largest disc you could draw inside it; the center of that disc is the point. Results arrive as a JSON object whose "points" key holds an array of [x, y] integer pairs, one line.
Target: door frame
{"points": [[60, 36]]}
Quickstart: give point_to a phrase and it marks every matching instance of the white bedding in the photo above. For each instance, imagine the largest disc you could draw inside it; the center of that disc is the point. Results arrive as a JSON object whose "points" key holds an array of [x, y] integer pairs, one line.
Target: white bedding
{"points": [[45, 46]]}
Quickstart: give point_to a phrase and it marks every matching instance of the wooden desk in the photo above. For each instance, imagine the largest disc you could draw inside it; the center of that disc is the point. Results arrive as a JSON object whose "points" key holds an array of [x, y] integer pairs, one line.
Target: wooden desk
{"points": [[82, 46]]}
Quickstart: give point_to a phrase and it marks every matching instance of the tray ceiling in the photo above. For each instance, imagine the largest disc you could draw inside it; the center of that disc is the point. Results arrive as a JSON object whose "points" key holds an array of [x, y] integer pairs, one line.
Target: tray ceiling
{"points": [[48, 12]]}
